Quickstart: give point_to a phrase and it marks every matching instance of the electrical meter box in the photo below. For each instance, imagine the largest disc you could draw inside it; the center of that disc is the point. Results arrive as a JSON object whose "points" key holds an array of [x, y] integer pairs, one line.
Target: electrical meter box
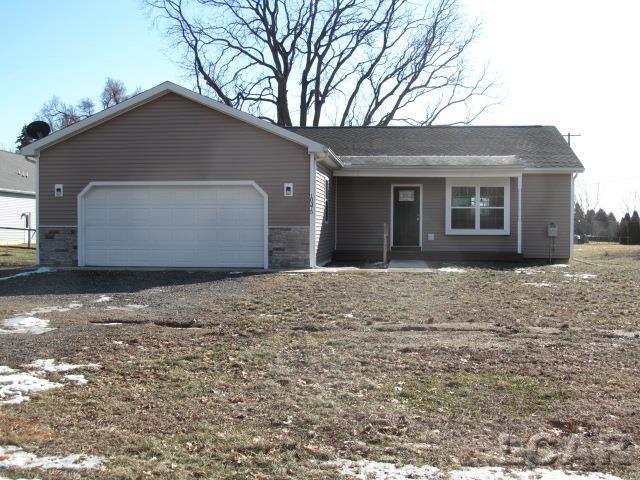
{"points": [[552, 230]]}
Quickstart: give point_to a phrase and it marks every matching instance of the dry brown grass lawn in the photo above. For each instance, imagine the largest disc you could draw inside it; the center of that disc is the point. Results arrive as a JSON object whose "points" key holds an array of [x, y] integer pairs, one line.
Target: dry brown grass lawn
{"points": [[16, 256], [283, 372]]}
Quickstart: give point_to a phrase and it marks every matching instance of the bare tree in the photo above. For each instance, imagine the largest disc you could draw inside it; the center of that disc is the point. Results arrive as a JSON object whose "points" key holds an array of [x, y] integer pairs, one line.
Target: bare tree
{"points": [[60, 115], [366, 62], [114, 92]]}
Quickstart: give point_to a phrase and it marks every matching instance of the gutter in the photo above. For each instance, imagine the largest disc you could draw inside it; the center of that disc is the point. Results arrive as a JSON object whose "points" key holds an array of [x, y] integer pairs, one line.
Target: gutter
{"points": [[17, 192]]}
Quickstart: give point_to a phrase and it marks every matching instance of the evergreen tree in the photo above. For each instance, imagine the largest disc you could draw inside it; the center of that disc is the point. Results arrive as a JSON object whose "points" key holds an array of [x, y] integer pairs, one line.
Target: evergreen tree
{"points": [[634, 229], [623, 229], [22, 139], [601, 224], [578, 220], [613, 227]]}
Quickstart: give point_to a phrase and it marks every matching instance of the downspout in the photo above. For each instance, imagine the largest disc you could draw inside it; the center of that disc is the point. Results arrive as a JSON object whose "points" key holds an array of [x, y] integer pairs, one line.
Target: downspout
{"points": [[312, 217], [520, 214]]}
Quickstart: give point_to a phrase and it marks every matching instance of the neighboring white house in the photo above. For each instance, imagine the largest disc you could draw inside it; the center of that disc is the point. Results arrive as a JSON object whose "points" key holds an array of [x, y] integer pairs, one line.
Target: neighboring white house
{"points": [[17, 197]]}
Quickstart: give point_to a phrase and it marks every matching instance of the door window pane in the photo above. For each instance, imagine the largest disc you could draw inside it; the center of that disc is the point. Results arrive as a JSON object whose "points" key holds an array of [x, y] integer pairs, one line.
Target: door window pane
{"points": [[463, 196], [492, 218], [491, 196], [463, 218]]}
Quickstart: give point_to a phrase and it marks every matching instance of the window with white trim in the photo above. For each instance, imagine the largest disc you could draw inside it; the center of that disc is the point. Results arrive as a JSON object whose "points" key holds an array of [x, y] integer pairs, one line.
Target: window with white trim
{"points": [[477, 206]]}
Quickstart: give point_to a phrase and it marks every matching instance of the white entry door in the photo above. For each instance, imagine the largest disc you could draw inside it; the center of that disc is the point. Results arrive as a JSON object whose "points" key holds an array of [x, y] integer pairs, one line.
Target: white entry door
{"points": [[167, 225]]}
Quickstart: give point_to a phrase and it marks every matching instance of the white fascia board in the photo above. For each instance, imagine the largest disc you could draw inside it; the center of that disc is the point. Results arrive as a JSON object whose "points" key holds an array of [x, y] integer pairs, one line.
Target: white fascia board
{"points": [[553, 170], [156, 92], [429, 172]]}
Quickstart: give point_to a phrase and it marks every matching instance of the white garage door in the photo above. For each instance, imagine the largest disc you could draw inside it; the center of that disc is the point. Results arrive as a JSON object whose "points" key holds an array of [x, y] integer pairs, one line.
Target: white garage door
{"points": [[172, 226]]}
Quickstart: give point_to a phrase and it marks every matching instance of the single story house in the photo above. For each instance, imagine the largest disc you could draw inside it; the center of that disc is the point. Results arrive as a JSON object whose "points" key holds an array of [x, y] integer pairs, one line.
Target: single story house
{"points": [[171, 178], [17, 198]]}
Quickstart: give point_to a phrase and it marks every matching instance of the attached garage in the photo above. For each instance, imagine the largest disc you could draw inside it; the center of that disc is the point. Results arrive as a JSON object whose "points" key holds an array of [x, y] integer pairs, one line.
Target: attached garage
{"points": [[173, 224]]}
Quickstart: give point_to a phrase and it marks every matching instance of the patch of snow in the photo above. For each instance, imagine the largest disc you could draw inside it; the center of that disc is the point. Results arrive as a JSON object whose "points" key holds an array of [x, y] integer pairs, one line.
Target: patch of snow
{"points": [[451, 270], [79, 379], [235, 273], [109, 324], [25, 324], [559, 265], [15, 457], [31, 272], [103, 298], [13, 387], [49, 365], [539, 284], [371, 470], [4, 369], [118, 342], [581, 276], [529, 271], [130, 307], [54, 308], [348, 315], [499, 473]]}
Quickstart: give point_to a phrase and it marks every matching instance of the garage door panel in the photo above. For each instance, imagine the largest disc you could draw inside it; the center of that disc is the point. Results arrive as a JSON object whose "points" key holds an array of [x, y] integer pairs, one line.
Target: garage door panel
{"points": [[191, 226]]}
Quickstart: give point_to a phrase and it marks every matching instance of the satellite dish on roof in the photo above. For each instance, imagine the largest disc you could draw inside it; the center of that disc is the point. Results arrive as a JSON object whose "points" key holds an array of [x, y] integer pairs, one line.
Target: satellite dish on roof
{"points": [[38, 129]]}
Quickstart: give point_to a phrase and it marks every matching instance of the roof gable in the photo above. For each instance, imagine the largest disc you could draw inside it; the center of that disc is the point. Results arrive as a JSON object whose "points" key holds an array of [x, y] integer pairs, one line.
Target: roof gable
{"points": [[153, 94]]}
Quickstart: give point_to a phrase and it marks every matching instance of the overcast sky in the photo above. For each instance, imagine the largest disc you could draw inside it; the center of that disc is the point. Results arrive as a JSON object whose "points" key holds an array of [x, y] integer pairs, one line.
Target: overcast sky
{"points": [[569, 63]]}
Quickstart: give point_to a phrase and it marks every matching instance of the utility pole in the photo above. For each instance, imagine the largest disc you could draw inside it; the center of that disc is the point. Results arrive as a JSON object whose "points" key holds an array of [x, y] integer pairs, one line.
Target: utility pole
{"points": [[569, 135]]}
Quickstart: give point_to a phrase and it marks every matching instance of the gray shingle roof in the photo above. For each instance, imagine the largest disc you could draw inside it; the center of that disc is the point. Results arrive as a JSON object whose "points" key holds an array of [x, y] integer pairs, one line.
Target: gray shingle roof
{"points": [[17, 173], [536, 146]]}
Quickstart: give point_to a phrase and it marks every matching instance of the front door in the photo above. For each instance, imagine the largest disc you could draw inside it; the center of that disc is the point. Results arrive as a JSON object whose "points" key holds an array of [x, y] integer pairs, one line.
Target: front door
{"points": [[406, 216]]}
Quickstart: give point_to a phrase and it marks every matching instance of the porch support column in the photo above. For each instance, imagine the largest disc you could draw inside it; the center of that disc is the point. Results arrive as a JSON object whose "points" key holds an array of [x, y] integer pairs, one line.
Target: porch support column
{"points": [[520, 214], [312, 209]]}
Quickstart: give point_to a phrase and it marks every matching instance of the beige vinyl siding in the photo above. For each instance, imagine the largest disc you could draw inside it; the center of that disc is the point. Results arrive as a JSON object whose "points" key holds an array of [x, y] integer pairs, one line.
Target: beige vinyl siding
{"points": [[546, 198], [324, 227], [364, 205], [173, 138]]}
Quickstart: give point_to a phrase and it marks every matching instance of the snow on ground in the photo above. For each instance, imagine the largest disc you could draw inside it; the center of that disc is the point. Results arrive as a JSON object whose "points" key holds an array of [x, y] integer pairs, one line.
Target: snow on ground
{"points": [[559, 265], [79, 379], [581, 276], [25, 324], [528, 270], [451, 270], [539, 284], [130, 307], [103, 298], [30, 272], [49, 365], [371, 470], [14, 385], [15, 457], [54, 308]]}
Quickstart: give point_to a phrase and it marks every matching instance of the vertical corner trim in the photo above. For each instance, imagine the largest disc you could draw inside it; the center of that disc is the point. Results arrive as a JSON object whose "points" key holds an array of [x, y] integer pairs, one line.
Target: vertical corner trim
{"points": [[312, 211], [520, 214]]}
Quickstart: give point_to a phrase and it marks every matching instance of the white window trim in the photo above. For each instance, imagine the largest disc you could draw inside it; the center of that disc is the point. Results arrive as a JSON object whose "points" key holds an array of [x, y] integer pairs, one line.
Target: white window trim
{"points": [[327, 190], [391, 240], [479, 182]]}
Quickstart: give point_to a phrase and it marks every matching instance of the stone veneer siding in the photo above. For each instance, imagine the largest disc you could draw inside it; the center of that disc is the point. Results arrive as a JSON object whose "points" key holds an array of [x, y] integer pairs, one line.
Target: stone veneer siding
{"points": [[288, 247], [58, 246]]}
